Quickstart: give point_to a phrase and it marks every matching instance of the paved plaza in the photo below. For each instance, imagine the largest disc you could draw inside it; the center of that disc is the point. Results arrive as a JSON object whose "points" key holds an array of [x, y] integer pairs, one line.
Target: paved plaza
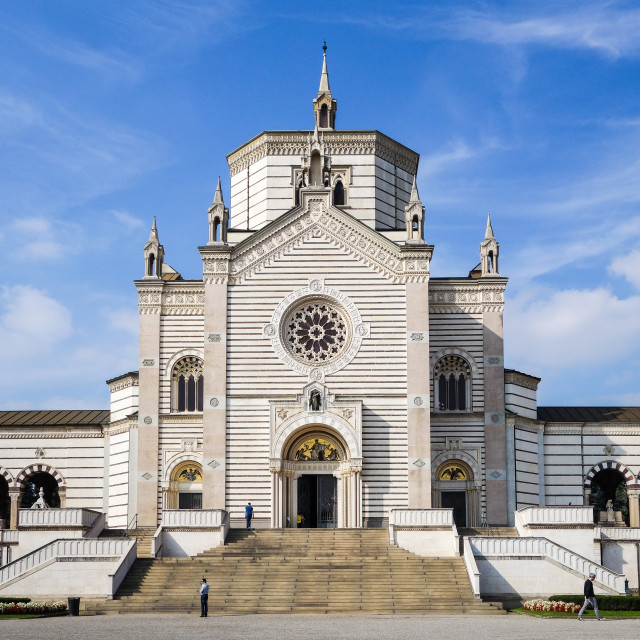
{"points": [[313, 627]]}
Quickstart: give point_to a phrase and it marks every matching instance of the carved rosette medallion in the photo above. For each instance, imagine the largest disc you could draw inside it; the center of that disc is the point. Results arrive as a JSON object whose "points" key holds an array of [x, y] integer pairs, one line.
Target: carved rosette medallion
{"points": [[316, 330]]}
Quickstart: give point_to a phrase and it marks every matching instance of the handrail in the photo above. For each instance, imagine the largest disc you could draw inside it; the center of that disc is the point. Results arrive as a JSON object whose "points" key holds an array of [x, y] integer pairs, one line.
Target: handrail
{"points": [[472, 567], [97, 526], [421, 517], [63, 547], [123, 566], [559, 515], [66, 517], [543, 547], [193, 517], [156, 542], [618, 533], [9, 536]]}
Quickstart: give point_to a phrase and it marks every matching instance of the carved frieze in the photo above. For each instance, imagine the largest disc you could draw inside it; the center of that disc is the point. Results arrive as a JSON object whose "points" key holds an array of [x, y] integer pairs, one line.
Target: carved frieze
{"points": [[336, 144]]}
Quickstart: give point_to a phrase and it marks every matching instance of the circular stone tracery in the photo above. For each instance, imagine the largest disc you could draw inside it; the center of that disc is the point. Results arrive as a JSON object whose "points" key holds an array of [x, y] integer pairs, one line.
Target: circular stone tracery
{"points": [[316, 333]]}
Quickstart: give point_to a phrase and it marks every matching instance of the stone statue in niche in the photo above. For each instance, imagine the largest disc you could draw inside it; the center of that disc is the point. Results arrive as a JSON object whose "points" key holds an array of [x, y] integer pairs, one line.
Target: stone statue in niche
{"points": [[40, 502], [610, 514], [315, 401]]}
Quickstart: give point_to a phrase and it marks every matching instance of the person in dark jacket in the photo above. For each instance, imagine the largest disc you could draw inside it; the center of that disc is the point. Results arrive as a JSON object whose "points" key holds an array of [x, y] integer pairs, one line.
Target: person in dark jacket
{"points": [[590, 598], [204, 598]]}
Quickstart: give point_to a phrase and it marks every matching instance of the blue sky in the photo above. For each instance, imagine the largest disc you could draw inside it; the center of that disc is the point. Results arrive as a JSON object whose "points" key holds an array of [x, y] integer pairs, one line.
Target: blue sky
{"points": [[111, 113]]}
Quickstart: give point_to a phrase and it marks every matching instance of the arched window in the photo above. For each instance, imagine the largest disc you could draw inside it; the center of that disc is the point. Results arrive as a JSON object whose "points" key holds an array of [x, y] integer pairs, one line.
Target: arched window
{"points": [[338, 194], [31, 490], [452, 382], [150, 264], [324, 116], [217, 229], [187, 385]]}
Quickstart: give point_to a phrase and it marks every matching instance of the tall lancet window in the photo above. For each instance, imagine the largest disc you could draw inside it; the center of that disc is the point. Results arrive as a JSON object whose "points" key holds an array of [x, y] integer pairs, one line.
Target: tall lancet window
{"points": [[338, 194], [324, 116], [187, 385], [452, 384]]}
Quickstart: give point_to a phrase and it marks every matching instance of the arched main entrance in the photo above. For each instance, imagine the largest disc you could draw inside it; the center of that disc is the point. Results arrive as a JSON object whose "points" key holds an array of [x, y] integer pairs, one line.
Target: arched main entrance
{"points": [[316, 482], [455, 487]]}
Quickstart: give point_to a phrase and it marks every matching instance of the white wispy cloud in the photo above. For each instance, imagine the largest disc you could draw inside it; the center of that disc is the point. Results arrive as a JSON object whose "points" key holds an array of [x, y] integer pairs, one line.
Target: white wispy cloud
{"points": [[609, 28], [627, 266], [115, 65], [32, 323], [545, 255], [571, 328], [65, 158], [39, 238], [126, 219]]}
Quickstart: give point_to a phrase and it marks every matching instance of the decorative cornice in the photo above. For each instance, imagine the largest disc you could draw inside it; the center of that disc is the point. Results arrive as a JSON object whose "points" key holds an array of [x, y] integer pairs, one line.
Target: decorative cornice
{"points": [[182, 299], [124, 383], [521, 379], [474, 296], [336, 143], [592, 429], [191, 418], [63, 433], [150, 296]]}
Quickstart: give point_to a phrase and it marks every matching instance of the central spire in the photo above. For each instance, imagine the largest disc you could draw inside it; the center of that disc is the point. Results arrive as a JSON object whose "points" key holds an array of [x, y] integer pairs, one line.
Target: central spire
{"points": [[324, 106], [324, 77]]}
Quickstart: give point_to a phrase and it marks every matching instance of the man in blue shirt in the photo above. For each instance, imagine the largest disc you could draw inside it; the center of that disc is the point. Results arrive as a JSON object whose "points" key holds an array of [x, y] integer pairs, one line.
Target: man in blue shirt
{"points": [[248, 514], [204, 598]]}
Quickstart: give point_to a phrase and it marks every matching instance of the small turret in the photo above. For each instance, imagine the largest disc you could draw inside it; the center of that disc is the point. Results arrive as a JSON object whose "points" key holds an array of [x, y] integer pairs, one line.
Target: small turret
{"points": [[414, 216], [324, 106], [153, 254], [218, 218], [489, 252]]}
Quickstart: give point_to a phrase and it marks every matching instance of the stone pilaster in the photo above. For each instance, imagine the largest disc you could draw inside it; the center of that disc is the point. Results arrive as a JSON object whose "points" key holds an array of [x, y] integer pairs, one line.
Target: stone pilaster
{"points": [[147, 479], [418, 395], [496, 463], [214, 416]]}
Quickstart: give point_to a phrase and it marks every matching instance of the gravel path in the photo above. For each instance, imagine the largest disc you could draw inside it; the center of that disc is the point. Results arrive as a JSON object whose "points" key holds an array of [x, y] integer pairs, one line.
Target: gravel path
{"points": [[312, 627]]}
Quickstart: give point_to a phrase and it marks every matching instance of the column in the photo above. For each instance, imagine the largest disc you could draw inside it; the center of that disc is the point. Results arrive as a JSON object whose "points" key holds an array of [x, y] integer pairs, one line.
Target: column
{"points": [[542, 491], [149, 402], [634, 512], [495, 437], [418, 395], [14, 496], [214, 416]]}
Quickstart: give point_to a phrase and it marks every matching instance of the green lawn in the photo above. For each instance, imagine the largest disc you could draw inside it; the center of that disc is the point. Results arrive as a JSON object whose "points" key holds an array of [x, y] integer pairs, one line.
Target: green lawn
{"points": [[586, 615]]}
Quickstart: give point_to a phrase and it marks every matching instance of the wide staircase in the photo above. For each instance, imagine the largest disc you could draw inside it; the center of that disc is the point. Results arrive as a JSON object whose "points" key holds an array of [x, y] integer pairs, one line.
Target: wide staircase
{"points": [[300, 571]]}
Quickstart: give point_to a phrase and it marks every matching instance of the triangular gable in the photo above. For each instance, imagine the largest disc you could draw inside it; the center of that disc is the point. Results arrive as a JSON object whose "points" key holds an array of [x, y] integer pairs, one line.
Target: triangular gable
{"points": [[316, 218]]}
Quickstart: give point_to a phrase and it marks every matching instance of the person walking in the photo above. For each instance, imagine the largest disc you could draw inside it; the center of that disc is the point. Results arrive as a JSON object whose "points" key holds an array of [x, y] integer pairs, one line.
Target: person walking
{"points": [[590, 598], [204, 598], [248, 514]]}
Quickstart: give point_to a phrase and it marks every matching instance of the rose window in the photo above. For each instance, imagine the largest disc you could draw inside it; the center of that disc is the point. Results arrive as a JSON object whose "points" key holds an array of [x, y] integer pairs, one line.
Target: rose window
{"points": [[316, 333]]}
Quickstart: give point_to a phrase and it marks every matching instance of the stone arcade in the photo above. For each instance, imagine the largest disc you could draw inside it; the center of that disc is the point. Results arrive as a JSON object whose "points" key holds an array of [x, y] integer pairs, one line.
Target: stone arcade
{"points": [[318, 371]]}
